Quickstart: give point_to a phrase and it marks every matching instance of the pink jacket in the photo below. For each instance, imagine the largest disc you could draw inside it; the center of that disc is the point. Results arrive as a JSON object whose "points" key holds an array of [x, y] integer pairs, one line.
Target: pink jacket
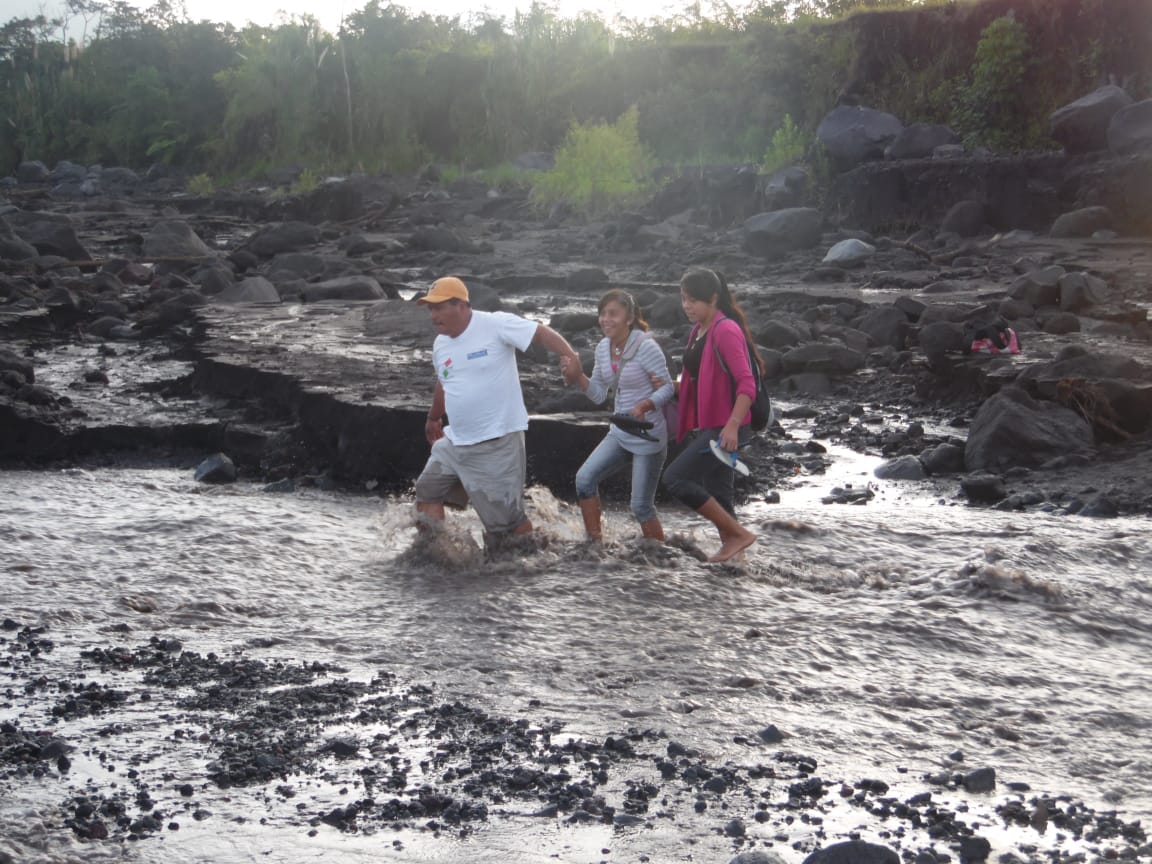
{"points": [[710, 404]]}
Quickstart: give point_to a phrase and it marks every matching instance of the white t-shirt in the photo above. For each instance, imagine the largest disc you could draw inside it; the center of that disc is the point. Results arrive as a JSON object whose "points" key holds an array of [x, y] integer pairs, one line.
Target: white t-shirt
{"points": [[481, 382]]}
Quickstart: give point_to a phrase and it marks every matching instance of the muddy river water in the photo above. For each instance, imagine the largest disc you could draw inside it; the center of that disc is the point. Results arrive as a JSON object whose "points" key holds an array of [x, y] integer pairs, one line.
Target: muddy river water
{"points": [[892, 640]]}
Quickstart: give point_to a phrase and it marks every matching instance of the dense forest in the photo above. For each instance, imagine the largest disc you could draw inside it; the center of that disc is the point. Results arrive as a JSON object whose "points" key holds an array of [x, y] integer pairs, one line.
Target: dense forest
{"points": [[393, 90]]}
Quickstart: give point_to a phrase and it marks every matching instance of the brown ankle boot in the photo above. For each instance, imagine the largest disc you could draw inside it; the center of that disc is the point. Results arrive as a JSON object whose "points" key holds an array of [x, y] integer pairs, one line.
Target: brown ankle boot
{"points": [[590, 510], [652, 530]]}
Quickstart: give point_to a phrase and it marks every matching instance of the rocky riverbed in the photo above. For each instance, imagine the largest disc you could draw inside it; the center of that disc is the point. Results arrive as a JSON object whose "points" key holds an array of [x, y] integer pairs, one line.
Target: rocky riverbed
{"points": [[159, 329], [389, 758], [293, 347]]}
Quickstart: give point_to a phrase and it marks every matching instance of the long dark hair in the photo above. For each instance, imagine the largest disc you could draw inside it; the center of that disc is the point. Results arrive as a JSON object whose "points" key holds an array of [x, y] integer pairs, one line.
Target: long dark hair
{"points": [[703, 285], [626, 300]]}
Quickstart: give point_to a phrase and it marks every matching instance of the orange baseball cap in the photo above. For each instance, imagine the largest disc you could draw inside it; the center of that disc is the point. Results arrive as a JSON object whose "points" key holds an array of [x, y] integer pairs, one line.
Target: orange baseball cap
{"points": [[446, 288]]}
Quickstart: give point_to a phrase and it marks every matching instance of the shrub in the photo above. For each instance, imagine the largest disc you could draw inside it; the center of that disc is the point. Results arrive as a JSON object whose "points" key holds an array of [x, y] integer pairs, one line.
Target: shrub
{"points": [[307, 182], [599, 168], [448, 174], [201, 186], [787, 146]]}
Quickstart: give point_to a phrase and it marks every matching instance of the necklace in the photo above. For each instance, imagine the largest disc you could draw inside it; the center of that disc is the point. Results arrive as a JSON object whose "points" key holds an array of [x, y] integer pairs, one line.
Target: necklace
{"points": [[617, 350]]}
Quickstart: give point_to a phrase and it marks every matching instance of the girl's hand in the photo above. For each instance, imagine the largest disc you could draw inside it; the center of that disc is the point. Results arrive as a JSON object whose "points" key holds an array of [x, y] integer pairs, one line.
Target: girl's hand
{"points": [[639, 410], [730, 437]]}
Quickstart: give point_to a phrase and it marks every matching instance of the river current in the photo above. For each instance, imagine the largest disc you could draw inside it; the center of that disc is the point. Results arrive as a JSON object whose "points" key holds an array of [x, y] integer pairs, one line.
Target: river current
{"points": [[887, 640]]}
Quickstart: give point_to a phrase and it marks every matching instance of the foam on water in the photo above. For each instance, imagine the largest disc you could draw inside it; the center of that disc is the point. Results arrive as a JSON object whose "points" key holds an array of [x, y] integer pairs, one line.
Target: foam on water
{"points": [[880, 636]]}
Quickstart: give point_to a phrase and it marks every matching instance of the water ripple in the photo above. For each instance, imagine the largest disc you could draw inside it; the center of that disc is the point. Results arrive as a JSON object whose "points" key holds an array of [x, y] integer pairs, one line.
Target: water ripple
{"points": [[889, 633]]}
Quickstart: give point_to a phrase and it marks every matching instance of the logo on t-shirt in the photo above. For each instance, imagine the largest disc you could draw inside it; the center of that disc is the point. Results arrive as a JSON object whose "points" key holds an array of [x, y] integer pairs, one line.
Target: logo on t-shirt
{"points": [[447, 368], [476, 355]]}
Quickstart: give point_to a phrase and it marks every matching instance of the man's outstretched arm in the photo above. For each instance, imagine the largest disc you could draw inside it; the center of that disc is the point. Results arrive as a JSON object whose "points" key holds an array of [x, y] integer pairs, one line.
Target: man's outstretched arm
{"points": [[552, 341]]}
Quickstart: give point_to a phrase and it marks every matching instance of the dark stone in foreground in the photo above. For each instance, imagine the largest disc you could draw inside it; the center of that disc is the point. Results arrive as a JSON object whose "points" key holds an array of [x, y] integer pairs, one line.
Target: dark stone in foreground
{"points": [[217, 468], [853, 852], [1012, 429]]}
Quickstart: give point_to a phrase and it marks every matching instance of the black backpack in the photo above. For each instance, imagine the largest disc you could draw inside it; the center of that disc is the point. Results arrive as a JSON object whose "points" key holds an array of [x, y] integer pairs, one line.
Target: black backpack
{"points": [[762, 405]]}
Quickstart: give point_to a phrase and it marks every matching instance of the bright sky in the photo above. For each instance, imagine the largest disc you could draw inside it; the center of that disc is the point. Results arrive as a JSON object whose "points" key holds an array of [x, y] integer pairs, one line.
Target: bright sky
{"points": [[329, 12]]}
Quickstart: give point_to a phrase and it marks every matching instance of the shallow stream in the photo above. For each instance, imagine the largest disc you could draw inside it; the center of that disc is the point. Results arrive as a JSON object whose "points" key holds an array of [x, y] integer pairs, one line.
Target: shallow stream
{"points": [[892, 640]]}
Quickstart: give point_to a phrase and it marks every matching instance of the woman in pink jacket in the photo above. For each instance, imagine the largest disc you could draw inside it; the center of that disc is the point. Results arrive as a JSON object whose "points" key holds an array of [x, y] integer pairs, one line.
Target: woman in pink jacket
{"points": [[715, 399]]}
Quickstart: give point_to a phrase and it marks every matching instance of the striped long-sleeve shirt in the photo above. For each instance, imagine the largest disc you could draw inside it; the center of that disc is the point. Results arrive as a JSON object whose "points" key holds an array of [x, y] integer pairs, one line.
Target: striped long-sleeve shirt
{"points": [[644, 362]]}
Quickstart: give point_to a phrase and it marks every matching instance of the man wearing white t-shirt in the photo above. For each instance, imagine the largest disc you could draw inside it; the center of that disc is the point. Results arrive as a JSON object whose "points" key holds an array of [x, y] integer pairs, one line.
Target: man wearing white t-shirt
{"points": [[481, 450]]}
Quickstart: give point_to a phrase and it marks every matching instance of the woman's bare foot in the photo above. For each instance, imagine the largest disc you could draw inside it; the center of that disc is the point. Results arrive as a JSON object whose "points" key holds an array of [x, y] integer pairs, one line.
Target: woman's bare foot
{"points": [[733, 546]]}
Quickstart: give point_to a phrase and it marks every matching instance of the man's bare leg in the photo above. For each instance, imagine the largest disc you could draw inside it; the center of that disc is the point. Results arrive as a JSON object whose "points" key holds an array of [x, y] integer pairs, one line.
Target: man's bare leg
{"points": [[428, 513]]}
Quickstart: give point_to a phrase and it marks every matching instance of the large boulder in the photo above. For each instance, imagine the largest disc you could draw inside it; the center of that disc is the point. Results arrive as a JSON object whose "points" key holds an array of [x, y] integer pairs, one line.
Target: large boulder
{"points": [[1012, 429], [822, 357], [571, 323], [298, 265], [885, 325], [174, 238], [851, 134], [1018, 192], [940, 338], [346, 288], [1039, 287], [920, 140], [50, 233], [1082, 223], [105, 326], [437, 238], [32, 171], [787, 187], [1131, 128], [849, 253], [68, 172], [777, 333], [254, 289], [12, 362], [718, 195], [13, 247], [1059, 323], [213, 279], [119, 180], [1088, 365], [334, 200], [945, 458], [282, 237], [782, 231], [1082, 126], [906, 467], [1114, 387], [1081, 290], [955, 312]]}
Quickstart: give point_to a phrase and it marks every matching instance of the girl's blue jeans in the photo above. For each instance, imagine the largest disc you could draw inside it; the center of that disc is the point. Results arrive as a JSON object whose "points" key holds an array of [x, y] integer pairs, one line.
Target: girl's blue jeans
{"points": [[608, 458]]}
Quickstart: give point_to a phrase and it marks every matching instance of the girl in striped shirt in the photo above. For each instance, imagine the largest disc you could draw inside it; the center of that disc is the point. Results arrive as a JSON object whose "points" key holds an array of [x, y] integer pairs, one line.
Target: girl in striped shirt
{"points": [[631, 370]]}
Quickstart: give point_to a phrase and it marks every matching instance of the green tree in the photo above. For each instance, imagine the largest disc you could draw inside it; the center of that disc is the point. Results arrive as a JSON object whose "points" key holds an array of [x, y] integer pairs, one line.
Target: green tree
{"points": [[277, 111], [993, 109]]}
